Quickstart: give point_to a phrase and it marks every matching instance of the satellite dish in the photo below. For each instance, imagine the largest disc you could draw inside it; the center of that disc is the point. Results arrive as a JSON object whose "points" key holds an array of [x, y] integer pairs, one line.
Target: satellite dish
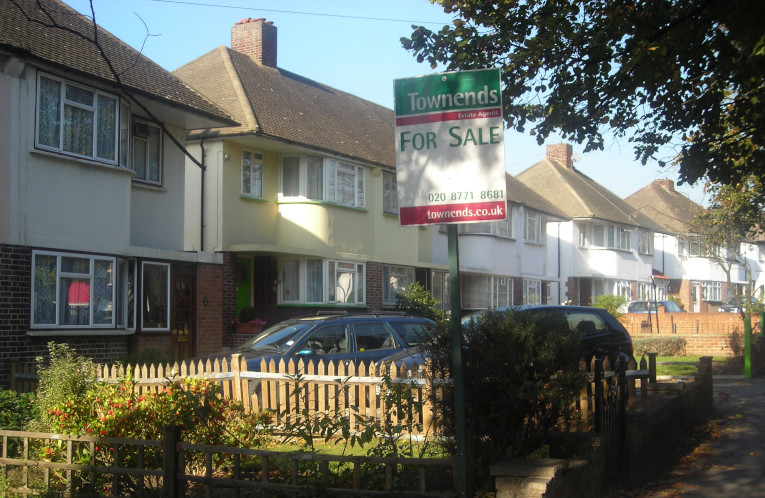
{"points": [[575, 157]]}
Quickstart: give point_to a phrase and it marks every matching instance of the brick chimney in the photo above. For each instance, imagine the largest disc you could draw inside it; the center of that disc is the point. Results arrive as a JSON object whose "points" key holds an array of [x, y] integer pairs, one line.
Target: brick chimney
{"points": [[561, 153], [667, 183], [256, 38]]}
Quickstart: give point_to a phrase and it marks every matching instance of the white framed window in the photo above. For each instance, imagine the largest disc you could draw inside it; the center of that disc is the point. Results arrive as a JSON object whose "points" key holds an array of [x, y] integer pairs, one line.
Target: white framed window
{"points": [[532, 227], [532, 291], [390, 193], [147, 152], [645, 291], [501, 228], [252, 174], [624, 289], [711, 291], [76, 120], [582, 234], [322, 179], [395, 279], [155, 296], [486, 291], [346, 282], [440, 288], [319, 281], [645, 242], [692, 245], [72, 290], [606, 235]]}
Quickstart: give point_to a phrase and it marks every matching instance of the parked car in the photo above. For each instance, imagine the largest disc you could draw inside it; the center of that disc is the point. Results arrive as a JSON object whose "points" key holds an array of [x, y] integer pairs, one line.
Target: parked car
{"points": [[730, 305], [645, 306], [337, 337], [602, 334]]}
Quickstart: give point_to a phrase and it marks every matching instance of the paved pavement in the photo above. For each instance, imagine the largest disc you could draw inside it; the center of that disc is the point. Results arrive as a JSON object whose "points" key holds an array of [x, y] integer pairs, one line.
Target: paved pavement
{"points": [[730, 459]]}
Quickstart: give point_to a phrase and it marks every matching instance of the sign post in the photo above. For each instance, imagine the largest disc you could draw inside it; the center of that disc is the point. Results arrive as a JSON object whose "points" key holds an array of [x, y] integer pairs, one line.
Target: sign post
{"points": [[450, 169]]}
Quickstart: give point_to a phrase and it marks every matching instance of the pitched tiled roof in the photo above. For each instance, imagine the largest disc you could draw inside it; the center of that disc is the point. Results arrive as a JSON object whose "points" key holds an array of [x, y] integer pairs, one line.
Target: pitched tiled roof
{"points": [[284, 106], [23, 35], [579, 196], [662, 203], [519, 193]]}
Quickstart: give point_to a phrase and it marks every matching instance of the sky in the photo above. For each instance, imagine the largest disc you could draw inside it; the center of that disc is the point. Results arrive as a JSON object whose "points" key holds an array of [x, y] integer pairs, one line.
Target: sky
{"points": [[351, 45]]}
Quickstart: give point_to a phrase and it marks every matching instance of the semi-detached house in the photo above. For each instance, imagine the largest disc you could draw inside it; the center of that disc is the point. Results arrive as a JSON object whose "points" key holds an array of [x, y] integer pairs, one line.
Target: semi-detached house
{"points": [[92, 194], [301, 197]]}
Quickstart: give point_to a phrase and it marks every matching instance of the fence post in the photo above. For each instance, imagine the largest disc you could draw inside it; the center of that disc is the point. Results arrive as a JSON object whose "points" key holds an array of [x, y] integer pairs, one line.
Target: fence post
{"points": [[652, 367], [598, 394], [172, 487]]}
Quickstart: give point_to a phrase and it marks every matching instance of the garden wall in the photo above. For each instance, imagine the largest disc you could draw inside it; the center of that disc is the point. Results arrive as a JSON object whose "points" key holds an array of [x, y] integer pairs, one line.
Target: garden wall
{"points": [[705, 333]]}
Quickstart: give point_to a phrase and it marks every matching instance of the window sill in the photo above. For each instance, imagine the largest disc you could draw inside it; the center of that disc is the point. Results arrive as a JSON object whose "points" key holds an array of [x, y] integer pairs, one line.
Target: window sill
{"points": [[148, 186], [534, 243], [323, 203], [82, 161], [78, 332], [252, 198]]}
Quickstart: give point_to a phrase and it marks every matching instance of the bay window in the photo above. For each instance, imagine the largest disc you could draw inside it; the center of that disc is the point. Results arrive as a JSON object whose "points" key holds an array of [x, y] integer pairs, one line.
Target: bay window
{"points": [[322, 179], [76, 120], [486, 291], [608, 236], [320, 281], [93, 291]]}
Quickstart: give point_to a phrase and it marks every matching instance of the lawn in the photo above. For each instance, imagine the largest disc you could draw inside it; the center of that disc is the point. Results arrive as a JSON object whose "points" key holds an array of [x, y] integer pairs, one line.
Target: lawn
{"points": [[688, 365]]}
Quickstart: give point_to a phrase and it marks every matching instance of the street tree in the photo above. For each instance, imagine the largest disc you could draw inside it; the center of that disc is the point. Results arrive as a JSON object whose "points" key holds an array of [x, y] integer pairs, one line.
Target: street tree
{"points": [[682, 80]]}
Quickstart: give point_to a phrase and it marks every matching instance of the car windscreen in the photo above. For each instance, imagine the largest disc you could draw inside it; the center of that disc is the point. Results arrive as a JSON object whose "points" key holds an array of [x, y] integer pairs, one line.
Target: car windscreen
{"points": [[639, 306], [413, 333], [278, 338]]}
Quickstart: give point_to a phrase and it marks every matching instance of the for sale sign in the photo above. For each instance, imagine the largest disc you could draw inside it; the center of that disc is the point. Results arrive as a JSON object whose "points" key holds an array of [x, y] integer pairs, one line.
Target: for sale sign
{"points": [[449, 148]]}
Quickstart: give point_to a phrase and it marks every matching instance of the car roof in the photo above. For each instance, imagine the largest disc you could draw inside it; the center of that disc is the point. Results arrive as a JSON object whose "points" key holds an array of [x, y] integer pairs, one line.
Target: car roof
{"points": [[342, 315]]}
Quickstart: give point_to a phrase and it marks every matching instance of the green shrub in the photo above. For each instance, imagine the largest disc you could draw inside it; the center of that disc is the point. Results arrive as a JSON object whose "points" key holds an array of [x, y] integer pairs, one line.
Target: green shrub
{"points": [[418, 301], [664, 346], [64, 377], [15, 410], [612, 304], [522, 378]]}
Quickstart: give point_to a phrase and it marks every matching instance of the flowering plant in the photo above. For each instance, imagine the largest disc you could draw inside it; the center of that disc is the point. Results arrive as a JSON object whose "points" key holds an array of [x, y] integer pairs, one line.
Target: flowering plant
{"points": [[254, 321], [248, 315]]}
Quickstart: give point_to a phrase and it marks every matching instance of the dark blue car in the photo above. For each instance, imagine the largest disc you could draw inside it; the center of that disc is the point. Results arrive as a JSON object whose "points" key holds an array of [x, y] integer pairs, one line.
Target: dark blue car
{"points": [[337, 337]]}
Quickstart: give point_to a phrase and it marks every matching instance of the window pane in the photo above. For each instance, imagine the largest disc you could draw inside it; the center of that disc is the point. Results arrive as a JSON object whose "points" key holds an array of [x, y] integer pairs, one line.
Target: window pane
{"points": [[346, 188], [102, 292], [75, 265], [79, 95], [599, 236], [315, 280], [44, 291], [290, 281], [390, 193], [246, 173], [315, 178], [139, 158], [257, 180], [291, 177], [124, 134], [372, 336], [155, 296], [49, 113], [345, 285], [75, 296], [107, 127], [153, 154], [78, 130]]}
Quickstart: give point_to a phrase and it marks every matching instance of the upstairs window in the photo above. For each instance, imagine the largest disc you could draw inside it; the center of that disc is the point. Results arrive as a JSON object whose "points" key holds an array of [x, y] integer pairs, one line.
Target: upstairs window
{"points": [[147, 152], [532, 227], [76, 120], [252, 174], [645, 242], [609, 236], [322, 179], [390, 193]]}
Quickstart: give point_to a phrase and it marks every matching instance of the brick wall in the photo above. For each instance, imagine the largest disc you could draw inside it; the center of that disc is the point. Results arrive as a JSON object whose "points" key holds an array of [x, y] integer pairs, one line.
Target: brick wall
{"points": [[706, 333], [228, 298], [374, 286], [256, 38], [209, 307], [14, 307]]}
